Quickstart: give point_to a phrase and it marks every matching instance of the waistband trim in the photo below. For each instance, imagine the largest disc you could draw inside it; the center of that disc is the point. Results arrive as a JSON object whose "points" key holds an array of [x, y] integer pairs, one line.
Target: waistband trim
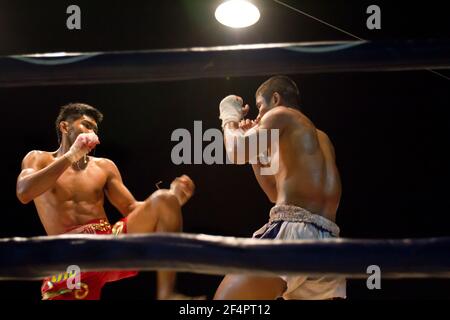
{"points": [[91, 227], [297, 214]]}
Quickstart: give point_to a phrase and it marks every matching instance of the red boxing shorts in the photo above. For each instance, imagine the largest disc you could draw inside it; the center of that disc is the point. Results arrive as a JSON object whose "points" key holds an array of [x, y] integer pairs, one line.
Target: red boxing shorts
{"points": [[63, 286]]}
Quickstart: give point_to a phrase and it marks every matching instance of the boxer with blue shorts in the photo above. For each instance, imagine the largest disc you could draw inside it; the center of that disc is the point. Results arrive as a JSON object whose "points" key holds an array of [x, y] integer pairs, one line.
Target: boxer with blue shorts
{"points": [[294, 163]]}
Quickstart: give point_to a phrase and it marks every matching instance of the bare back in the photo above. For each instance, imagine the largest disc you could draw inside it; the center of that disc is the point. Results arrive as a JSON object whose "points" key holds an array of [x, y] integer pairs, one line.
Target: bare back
{"points": [[307, 175], [76, 198]]}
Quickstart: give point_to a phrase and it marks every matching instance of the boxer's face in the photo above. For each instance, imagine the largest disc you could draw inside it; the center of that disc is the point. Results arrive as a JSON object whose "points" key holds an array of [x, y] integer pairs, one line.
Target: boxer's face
{"points": [[84, 124], [262, 105]]}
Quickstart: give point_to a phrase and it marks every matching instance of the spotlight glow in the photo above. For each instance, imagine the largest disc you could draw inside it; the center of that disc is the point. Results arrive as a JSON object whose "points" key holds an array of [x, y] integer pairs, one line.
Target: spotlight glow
{"points": [[237, 13]]}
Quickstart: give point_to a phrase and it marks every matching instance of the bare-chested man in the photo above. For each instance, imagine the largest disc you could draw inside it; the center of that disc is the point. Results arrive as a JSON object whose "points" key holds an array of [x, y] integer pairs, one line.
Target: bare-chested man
{"points": [[305, 188], [68, 188]]}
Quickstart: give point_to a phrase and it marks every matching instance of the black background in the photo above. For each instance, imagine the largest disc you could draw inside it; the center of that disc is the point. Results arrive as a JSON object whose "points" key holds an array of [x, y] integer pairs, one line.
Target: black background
{"points": [[390, 129]]}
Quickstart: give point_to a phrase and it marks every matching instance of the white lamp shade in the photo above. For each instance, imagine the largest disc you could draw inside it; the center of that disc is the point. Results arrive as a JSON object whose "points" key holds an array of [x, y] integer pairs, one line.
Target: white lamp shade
{"points": [[237, 13]]}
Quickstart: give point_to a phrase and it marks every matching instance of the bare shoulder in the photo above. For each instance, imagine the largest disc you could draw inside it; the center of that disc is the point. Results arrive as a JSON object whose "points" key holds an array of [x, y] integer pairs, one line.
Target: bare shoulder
{"points": [[280, 117], [279, 111], [277, 117], [38, 155], [37, 159], [322, 135], [106, 164]]}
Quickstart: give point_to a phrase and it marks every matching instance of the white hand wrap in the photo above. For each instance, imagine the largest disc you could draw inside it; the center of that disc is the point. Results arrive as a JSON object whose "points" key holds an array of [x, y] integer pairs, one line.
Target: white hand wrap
{"points": [[230, 109], [79, 147], [76, 153]]}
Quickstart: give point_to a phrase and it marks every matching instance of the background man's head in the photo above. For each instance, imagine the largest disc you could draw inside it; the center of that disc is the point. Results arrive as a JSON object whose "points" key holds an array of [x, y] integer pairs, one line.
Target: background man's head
{"points": [[277, 91], [76, 118]]}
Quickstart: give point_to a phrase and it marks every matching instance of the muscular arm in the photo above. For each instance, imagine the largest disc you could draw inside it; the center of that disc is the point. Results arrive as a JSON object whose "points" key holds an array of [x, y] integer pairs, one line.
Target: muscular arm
{"points": [[116, 192], [276, 119], [237, 142], [36, 178]]}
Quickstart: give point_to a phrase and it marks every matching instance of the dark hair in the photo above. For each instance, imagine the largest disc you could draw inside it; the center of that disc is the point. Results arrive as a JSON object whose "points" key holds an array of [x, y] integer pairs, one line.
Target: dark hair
{"points": [[284, 86], [74, 111]]}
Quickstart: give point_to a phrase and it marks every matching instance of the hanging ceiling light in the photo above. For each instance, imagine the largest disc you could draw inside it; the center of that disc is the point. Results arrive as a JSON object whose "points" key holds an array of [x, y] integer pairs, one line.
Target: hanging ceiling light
{"points": [[237, 13]]}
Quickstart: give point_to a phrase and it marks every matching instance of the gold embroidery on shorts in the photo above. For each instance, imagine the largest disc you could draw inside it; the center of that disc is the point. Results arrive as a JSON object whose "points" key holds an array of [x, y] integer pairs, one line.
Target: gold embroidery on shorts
{"points": [[61, 277], [118, 228], [79, 294], [51, 295], [101, 226], [82, 292]]}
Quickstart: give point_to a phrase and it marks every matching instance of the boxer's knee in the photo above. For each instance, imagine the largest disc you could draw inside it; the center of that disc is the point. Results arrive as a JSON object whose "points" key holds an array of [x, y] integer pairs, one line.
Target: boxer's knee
{"points": [[164, 205], [158, 198]]}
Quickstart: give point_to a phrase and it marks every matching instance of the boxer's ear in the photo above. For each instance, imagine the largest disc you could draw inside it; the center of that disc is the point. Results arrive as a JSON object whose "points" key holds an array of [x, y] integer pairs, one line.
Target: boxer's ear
{"points": [[64, 127], [276, 99]]}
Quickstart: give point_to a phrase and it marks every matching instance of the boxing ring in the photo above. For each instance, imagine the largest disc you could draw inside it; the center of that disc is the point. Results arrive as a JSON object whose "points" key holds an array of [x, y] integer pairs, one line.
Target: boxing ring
{"points": [[218, 62], [38, 257]]}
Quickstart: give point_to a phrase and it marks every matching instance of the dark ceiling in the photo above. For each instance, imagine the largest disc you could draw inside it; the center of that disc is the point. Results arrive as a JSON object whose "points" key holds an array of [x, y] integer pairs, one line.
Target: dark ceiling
{"points": [[40, 26]]}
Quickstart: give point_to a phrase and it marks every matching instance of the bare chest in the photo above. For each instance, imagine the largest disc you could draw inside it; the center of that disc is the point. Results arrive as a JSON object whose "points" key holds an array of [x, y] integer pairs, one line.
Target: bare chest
{"points": [[80, 185]]}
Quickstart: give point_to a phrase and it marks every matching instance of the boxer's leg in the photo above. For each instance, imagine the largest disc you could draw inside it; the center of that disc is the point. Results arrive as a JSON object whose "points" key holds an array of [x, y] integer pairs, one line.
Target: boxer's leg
{"points": [[245, 287], [161, 212]]}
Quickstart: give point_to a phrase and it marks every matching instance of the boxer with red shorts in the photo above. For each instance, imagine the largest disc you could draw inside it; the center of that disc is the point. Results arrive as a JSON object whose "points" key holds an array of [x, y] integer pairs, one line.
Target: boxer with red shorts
{"points": [[68, 188]]}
